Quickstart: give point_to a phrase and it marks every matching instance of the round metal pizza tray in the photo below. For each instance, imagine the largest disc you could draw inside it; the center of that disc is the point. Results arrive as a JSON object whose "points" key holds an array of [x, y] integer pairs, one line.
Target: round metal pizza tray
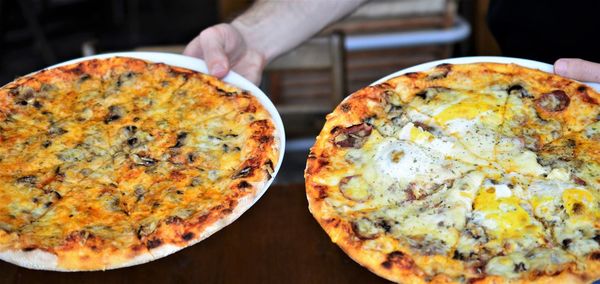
{"points": [[477, 59]]}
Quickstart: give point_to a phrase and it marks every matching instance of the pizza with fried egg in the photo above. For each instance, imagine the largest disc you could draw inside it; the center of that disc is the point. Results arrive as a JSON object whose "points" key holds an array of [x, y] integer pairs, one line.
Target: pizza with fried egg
{"points": [[107, 163], [474, 173]]}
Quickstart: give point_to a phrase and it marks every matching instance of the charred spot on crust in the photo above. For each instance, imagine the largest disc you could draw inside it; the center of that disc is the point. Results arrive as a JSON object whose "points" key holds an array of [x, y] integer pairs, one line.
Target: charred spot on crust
{"points": [[346, 107], [440, 72], [246, 171], [29, 249], [412, 75], [188, 236], [554, 101], [322, 162], [224, 93], [202, 219], [397, 258], [178, 72], [265, 139], [582, 91], [353, 136], [321, 191], [244, 184], [84, 78], [251, 108], [78, 70], [595, 255], [153, 243]]}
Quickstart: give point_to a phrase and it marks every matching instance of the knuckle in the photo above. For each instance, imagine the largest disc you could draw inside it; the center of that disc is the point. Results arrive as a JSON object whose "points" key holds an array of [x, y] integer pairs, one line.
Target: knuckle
{"points": [[208, 34]]}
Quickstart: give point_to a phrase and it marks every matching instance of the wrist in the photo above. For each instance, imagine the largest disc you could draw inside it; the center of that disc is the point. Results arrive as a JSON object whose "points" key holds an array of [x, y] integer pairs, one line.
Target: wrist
{"points": [[256, 43]]}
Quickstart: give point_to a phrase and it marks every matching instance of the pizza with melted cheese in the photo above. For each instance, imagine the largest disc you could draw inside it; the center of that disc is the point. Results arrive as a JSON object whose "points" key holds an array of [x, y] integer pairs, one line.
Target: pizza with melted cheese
{"points": [[113, 162], [475, 173]]}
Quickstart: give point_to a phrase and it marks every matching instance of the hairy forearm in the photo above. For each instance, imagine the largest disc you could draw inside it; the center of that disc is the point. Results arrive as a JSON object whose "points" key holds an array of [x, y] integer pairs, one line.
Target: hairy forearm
{"points": [[273, 27]]}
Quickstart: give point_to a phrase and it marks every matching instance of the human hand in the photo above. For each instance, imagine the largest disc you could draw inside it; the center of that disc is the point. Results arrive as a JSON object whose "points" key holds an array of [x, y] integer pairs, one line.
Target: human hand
{"points": [[224, 48], [578, 69]]}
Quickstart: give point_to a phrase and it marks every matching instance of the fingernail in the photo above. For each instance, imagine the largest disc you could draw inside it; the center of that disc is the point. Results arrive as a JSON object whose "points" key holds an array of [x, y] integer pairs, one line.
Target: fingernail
{"points": [[560, 67], [218, 70]]}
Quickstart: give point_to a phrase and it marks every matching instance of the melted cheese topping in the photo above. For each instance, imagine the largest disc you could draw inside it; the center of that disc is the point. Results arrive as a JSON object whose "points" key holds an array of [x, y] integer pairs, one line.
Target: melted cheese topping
{"points": [[502, 213]]}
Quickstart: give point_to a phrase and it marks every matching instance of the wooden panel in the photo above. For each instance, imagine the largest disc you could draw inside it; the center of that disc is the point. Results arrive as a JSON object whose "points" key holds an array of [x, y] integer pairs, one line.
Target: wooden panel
{"points": [[485, 43], [365, 67], [313, 54], [229, 9], [404, 21], [387, 25]]}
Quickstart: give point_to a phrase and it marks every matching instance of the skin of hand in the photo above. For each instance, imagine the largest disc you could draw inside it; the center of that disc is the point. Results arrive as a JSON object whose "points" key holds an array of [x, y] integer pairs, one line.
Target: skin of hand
{"points": [[578, 69], [268, 29], [224, 48]]}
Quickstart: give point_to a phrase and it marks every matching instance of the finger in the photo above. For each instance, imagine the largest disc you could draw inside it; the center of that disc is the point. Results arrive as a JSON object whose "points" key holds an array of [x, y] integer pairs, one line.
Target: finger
{"points": [[194, 48], [212, 46], [578, 69]]}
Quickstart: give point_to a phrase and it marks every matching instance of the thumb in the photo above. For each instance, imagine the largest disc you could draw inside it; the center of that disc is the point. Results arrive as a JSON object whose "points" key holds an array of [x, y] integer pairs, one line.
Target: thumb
{"points": [[578, 69]]}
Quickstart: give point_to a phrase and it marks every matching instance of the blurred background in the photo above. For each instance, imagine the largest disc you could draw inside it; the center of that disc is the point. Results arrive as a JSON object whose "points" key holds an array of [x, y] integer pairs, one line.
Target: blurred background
{"points": [[379, 38], [38, 33]]}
